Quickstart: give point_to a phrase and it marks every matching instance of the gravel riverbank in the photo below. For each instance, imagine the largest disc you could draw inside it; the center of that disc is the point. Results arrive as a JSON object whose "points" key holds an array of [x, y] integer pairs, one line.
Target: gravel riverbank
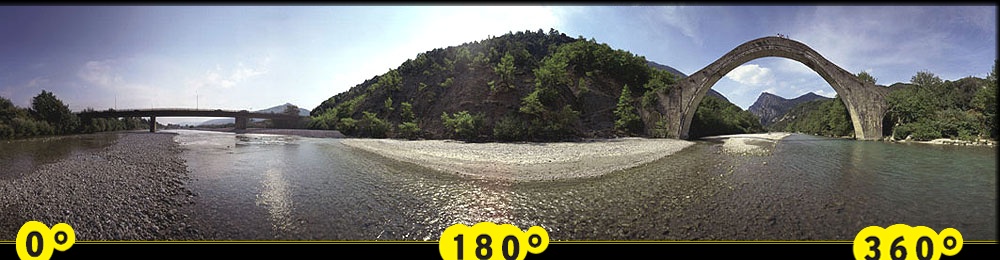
{"points": [[130, 190], [524, 161], [749, 144]]}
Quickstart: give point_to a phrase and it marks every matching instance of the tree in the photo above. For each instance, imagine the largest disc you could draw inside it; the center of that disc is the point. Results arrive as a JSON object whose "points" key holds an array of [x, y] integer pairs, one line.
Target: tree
{"points": [[291, 110], [50, 109], [406, 111], [985, 101], [864, 76], [626, 118], [388, 105], [926, 79], [372, 126], [7, 110], [506, 71]]}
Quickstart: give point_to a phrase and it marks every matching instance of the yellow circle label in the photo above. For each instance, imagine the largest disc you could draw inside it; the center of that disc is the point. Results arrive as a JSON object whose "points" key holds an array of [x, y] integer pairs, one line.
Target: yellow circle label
{"points": [[35, 241], [903, 242], [487, 240]]}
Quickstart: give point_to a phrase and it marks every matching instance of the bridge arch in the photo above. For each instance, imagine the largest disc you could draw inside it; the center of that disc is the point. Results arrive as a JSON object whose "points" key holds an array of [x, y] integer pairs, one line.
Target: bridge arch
{"points": [[865, 101]]}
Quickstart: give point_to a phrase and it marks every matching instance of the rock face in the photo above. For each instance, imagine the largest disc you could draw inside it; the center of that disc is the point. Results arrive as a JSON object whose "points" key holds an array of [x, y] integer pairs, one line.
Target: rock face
{"points": [[770, 107]]}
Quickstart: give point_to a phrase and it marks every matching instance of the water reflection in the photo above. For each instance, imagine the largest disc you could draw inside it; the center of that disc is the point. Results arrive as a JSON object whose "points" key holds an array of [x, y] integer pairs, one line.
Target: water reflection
{"points": [[20, 157], [275, 196]]}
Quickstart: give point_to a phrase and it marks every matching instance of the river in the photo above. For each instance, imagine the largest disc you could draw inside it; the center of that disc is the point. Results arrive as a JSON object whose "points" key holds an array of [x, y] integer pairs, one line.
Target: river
{"points": [[275, 187]]}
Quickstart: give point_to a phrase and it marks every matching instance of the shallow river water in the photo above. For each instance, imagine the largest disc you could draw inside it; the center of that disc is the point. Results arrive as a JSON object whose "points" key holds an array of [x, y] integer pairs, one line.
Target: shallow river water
{"points": [[273, 187]]}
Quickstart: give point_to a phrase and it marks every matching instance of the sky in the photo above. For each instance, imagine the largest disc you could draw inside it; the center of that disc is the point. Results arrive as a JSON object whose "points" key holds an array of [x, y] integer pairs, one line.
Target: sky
{"points": [[249, 57]]}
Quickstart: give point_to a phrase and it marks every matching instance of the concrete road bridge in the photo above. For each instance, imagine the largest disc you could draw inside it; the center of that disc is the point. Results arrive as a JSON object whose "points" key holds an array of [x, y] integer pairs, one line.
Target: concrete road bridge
{"points": [[865, 101], [242, 116]]}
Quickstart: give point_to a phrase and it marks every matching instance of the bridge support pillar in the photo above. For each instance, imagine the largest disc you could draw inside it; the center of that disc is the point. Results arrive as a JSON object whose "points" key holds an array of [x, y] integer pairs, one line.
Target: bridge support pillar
{"points": [[241, 123], [152, 124]]}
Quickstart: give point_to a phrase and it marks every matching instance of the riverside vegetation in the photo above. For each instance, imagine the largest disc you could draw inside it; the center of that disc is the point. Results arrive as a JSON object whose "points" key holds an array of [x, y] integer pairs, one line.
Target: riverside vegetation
{"points": [[928, 108], [50, 116]]}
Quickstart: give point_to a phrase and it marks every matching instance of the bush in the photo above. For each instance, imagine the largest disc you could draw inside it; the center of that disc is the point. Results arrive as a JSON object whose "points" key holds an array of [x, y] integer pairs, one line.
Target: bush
{"points": [[409, 130], [347, 126], [509, 128], [920, 131], [371, 126], [447, 82], [462, 124], [662, 128], [6, 132], [325, 121]]}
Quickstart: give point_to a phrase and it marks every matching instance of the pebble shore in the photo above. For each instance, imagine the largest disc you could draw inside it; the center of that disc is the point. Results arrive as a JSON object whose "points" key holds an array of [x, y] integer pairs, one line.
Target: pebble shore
{"points": [[750, 144], [524, 161], [131, 190]]}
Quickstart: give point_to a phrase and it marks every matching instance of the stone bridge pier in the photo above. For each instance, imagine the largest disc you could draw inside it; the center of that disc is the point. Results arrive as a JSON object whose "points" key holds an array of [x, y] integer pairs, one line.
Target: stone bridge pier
{"points": [[241, 123], [865, 101]]}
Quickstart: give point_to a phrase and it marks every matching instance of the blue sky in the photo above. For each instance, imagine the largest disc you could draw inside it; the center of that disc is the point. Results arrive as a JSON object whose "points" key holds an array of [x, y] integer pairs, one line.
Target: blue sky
{"points": [[258, 57]]}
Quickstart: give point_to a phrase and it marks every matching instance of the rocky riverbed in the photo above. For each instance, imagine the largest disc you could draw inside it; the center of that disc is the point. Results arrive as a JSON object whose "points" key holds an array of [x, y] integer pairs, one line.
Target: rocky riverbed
{"points": [[131, 190]]}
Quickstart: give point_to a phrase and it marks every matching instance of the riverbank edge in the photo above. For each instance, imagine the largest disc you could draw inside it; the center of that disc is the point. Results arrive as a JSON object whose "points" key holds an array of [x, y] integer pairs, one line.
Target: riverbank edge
{"points": [[947, 141], [311, 133]]}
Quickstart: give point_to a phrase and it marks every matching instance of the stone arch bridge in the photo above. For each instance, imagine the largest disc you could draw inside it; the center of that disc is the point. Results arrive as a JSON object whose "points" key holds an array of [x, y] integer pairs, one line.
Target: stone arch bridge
{"points": [[865, 101]]}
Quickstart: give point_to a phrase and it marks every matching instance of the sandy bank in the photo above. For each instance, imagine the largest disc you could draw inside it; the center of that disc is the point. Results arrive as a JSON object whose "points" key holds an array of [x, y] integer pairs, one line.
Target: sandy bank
{"points": [[524, 161], [749, 144]]}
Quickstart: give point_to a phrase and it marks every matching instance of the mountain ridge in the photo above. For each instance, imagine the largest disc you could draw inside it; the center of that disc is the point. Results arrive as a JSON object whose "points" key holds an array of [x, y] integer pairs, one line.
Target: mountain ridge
{"points": [[770, 107]]}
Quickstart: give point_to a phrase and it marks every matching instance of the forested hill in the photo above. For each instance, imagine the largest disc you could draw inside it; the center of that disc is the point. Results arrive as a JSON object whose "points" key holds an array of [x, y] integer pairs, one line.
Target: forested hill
{"points": [[519, 86]]}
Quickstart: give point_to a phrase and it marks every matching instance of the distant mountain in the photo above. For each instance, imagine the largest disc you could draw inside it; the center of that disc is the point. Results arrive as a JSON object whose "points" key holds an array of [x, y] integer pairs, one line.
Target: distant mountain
{"points": [[770, 107], [679, 74], [276, 110], [672, 70]]}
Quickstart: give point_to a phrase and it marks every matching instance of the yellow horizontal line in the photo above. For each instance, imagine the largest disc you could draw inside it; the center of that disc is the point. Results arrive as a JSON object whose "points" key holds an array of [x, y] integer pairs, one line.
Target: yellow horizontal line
{"points": [[435, 242]]}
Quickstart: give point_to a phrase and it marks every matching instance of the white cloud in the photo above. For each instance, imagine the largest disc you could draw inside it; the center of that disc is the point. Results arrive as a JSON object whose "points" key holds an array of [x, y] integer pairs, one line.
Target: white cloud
{"points": [[448, 26], [38, 82], [7, 92], [681, 18], [791, 65], [100, 73], [223, 78], [751, 74], [855, 38]]}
